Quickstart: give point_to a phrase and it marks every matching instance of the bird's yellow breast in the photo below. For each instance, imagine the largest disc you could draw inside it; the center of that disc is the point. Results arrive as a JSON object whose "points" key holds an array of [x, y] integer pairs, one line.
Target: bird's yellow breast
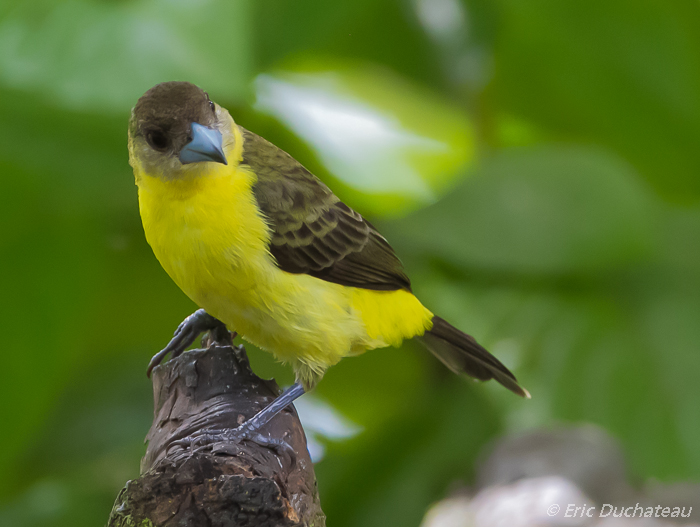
{"points": [[210, 237]]}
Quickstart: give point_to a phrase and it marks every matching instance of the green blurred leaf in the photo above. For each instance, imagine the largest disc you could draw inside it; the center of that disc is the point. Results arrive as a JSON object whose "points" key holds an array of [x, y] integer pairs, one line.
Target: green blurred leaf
{"points": [[613, 73], [103, 55], [669, 324], [538, 211]]}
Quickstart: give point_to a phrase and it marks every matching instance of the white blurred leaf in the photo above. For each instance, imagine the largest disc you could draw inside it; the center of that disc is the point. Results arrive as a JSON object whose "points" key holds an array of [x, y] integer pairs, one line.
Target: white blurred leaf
{"points": [[374, 131], [321, 420]]}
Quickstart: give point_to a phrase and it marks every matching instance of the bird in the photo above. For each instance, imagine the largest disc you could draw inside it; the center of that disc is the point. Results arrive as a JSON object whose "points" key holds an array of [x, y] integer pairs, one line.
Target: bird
{"points": [[267, 250]]}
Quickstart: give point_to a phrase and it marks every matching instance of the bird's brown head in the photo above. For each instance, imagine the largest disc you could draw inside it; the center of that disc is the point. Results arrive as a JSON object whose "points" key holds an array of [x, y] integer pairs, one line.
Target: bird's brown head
{"points": [[175, 124]]}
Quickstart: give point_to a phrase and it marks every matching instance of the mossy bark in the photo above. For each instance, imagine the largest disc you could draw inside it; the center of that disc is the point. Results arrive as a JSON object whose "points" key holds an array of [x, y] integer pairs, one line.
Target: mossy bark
{"points": [[224, 484]]}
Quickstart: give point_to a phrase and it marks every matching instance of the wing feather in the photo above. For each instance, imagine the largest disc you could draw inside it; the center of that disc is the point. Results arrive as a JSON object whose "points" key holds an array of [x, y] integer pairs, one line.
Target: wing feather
{"points": [[313, 232]]}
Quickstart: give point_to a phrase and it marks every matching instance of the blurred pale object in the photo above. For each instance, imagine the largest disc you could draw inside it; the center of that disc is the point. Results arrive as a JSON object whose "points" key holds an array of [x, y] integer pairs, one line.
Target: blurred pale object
{"points": [[537, 502], [467, 60], [569, 476], [442, 19], [585, 455], [322, 421], [377, 133], [525, 503]]}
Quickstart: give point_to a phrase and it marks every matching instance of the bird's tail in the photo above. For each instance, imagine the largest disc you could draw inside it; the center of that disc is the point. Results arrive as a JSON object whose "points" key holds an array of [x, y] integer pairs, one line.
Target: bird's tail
{"points": [[462, 354]]}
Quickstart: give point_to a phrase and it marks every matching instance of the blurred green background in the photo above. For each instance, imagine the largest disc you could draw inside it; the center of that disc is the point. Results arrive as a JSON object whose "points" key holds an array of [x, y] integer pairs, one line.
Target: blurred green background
{"points": [[535, 163]]}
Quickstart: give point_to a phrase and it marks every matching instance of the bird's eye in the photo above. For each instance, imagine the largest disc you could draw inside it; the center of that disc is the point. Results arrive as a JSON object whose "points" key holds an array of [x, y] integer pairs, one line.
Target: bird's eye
{"points": [[157, 140], [212, 106]]}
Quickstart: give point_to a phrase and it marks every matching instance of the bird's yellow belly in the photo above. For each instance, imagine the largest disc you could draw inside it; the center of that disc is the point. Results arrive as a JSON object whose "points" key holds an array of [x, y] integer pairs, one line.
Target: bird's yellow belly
{"points": [[213, 243]]}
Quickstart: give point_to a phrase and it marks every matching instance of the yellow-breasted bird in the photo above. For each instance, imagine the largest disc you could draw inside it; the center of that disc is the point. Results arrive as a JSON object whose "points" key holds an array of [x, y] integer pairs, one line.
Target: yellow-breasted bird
{"points": [[264, 247]]}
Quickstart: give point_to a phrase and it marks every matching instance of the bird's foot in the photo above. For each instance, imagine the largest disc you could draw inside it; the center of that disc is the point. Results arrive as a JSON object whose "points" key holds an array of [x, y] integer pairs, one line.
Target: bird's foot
{"points": [[204, 439], [229, 439], [186, 333]]}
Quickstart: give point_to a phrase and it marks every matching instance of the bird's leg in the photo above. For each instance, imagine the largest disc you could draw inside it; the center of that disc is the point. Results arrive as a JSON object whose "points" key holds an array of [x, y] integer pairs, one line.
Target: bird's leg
{"points": [[186, 333], [249, 429], [265, 415]]}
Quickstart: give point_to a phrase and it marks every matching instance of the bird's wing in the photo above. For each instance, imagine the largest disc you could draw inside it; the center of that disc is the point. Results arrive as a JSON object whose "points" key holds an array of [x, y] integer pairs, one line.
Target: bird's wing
{"points": [[313, 232]]}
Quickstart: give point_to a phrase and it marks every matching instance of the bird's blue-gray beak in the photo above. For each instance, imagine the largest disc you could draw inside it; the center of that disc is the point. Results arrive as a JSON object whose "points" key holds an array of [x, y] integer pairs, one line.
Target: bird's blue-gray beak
{"points": [[206, 145]]}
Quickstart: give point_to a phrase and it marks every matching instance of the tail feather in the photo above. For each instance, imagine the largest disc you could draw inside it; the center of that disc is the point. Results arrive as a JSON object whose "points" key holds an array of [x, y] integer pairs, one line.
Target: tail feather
{"points": [[462, 354]]}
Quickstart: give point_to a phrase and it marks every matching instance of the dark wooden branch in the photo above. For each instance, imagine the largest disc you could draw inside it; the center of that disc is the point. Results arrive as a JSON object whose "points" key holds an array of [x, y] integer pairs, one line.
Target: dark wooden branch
{"points": [[227, 484]]}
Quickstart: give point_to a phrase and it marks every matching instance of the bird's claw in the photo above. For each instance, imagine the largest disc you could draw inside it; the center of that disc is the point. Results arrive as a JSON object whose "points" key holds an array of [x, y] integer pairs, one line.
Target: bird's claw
{"points": [[185, 334], [199, 441], [204, 440]]}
